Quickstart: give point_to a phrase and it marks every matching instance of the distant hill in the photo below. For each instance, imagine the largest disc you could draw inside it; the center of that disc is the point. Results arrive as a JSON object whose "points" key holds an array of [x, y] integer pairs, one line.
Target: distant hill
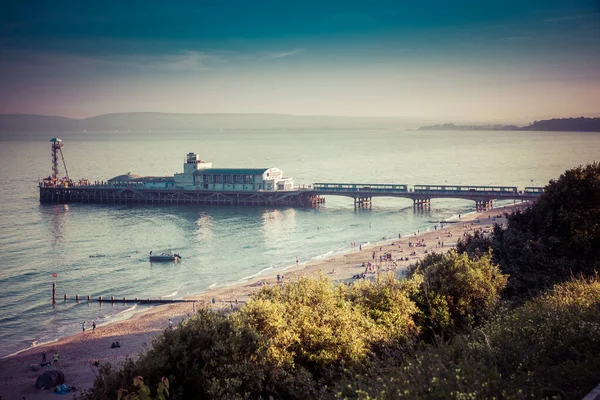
{"points": [[34, 122], [580, 124], [190, 122]]}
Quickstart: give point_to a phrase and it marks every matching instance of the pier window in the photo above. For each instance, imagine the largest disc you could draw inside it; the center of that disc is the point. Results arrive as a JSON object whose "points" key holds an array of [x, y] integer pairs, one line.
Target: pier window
{"points": [[229, 179], [208, 179], [248, 179], [218, 178], [239, 179]]}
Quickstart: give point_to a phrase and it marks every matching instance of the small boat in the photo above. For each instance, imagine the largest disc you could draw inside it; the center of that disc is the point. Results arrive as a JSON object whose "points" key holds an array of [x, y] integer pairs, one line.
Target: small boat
{"points": [[168, 257]]}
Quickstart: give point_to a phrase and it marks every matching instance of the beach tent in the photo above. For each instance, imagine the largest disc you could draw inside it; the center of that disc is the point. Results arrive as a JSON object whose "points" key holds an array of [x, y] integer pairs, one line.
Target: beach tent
{"points": [[49, 379]]}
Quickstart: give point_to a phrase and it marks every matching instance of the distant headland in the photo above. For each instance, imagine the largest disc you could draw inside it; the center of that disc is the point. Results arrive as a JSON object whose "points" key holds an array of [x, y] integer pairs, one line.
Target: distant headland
{"points": [[581, 124]]}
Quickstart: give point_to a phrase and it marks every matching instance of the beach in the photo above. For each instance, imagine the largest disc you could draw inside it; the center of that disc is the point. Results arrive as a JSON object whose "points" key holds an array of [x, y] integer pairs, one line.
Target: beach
{"points": [[79, 353]]}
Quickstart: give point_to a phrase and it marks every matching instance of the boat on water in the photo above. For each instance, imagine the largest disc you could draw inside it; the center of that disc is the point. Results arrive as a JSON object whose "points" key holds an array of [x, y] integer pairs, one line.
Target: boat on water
{"points": [[165, 257]]}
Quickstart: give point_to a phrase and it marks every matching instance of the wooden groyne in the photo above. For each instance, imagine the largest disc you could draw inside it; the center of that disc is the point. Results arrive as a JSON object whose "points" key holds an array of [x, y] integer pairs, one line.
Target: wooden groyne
{"points": [[113, 300]]}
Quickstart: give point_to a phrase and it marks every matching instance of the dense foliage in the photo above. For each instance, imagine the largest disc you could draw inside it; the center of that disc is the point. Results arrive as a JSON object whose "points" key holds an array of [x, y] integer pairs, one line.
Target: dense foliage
{"points": [[293, 341], [443, 332], [554, 239], [456, 293], [548, 348]]}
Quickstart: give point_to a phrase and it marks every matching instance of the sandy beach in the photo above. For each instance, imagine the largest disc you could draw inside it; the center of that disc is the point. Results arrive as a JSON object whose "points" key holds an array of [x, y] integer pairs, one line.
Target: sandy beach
{"points": [[78, 353]]}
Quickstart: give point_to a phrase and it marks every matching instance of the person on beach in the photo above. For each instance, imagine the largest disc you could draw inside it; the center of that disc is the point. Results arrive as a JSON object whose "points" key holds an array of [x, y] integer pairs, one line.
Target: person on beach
{"points": [[44, 358], [297, 260], [55, 356], [170, 324], [278, 278], [83, 326], [93, 325]]}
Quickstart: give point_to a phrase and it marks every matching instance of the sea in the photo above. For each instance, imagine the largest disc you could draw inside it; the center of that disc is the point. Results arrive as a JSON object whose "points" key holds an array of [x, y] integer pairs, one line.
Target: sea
{"points": [[102, 250]]}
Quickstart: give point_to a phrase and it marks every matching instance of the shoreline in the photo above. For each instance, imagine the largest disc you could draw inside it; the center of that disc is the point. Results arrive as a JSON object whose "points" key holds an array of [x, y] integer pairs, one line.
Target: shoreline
{"points": [[79, 351]]}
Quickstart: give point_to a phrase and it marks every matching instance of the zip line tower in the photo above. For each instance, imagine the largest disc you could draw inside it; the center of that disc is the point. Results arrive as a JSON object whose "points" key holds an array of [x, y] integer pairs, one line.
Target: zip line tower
{"points": [[56, 149]]}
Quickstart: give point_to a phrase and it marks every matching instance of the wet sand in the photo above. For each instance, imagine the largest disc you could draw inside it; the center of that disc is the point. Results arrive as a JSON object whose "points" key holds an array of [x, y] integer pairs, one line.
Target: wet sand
{"points": [[78, 353]]}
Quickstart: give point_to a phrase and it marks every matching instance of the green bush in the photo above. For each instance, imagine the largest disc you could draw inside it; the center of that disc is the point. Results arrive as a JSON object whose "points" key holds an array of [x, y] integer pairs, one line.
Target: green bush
{"points": [[294, 341], [309, 323], [548, 348], [457, 293], [318, 325], [210, 356]]}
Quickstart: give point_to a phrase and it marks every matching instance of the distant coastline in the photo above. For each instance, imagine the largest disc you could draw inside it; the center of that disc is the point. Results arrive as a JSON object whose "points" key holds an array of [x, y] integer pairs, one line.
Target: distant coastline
{"points": [[580, 124], [173, 122]]}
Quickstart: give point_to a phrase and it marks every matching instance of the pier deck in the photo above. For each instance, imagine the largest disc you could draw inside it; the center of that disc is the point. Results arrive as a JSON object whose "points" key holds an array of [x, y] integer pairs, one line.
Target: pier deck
{"points": [[106, 194], [312, 195]]}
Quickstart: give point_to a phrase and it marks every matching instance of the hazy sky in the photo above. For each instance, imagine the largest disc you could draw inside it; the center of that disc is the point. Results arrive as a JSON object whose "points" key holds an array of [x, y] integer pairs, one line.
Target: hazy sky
{"points": [[492, 59]]}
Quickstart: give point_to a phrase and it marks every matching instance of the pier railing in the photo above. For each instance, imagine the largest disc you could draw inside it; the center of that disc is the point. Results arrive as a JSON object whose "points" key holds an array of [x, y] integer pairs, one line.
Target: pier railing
{"points": [[309, 195]]}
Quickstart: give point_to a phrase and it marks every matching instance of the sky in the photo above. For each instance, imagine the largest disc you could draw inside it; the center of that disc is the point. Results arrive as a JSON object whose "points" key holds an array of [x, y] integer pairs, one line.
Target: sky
{"points": [[457, 60]]}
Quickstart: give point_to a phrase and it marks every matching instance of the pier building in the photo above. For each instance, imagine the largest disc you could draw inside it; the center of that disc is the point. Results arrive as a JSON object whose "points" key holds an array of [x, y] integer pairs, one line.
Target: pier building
{"points": [[199, 175]]}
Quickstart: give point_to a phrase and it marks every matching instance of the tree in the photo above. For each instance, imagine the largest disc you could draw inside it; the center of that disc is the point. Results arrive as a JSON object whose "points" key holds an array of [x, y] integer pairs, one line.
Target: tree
{"points": [[555, 238], [456, 292]]}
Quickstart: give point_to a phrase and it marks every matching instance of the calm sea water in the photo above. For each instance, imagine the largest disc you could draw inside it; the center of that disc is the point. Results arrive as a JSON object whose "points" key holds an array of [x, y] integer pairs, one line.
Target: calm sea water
{"points": [[227, 244]]}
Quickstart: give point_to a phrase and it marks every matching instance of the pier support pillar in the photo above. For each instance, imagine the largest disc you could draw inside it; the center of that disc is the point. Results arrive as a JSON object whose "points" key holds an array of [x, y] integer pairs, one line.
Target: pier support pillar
{"points": [[483, 205], [65, 297], [421, 204], [53, 293], [363, 202]]}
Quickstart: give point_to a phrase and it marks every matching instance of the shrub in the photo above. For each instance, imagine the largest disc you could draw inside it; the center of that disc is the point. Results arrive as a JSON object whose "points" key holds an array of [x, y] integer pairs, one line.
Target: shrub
{"points": [[456, 293], [548, 348], [318, 325], [294, 341]]}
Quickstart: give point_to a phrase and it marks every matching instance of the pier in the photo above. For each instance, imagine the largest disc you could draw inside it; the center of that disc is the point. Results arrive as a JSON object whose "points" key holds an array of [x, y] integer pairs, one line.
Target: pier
{"points": [[311, 196], [421, 195], [201, 184]]}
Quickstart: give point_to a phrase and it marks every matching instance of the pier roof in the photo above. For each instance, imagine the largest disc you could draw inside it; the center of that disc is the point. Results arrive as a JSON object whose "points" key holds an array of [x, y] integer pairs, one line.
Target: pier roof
{"points": [[231, 171], [126, 177]]}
